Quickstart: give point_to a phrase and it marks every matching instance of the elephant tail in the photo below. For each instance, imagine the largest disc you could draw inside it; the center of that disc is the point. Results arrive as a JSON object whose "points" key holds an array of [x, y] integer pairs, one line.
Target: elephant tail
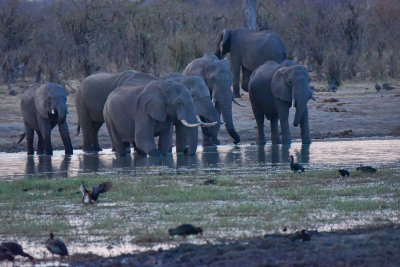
{"points": [[21, 137], [78, 129]]}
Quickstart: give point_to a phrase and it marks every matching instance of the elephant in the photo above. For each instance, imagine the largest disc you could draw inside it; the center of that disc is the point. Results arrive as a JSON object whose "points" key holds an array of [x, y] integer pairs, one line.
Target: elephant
{"points": [[91, 97], [272, 88], [203, 107], [248, 50], [43, 107], [216, 73], [135, 114]]}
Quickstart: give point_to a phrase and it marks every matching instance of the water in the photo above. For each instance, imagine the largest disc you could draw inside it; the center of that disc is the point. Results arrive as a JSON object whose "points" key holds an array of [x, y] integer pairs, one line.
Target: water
{"points": [[242, 158]]}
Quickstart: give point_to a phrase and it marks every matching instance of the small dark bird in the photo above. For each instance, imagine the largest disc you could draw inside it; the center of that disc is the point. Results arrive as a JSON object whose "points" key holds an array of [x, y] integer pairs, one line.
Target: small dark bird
{"points": [[91, 197], [56, 246], [378, 87], [210, 182], [344, 173], [16, 250], [296, 167], [185, 230], [387, 86], [61, 189], [26, 189], [304, 235], [5, 254], [366, 169]]}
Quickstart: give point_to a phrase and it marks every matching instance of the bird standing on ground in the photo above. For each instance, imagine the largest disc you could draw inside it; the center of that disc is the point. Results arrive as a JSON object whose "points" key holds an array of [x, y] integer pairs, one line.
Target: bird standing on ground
{"points": [[91, 197], [294, 166], [56, 246], [5, 254], [344, 172], [366, 169], [185, 230], [16, 250], [378, 87], [387, 86]]}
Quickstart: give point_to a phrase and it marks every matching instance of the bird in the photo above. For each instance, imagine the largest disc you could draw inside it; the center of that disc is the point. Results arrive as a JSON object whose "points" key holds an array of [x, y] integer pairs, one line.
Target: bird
{"points": [[387, 86], [185, 230], [378, 87], [344, 172], [296, 167], [56, 246], [332, 88], [366, 169], [16, 250], [210, 182], [303, 235], [91, 197], [5, 254]]}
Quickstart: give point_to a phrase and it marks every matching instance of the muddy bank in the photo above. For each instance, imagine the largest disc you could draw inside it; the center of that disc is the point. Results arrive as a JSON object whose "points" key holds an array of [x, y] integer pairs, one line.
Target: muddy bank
{"points": [[363, 247]]}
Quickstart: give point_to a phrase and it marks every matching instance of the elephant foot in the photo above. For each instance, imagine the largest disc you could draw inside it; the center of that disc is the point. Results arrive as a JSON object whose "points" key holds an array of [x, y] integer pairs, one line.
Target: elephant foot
{"points": [[237, 95], [155, 153], [306, 142], [236, 141], [261, 142]]}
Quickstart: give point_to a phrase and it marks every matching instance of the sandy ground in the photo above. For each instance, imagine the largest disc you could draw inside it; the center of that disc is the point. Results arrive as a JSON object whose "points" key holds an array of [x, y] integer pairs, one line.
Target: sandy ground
{"points": [[355, 110]]}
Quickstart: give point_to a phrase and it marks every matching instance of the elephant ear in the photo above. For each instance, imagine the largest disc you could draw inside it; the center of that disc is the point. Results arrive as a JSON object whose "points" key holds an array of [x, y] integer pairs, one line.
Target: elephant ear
{"points": [[280, 86], [153, 102], [42, 102]]}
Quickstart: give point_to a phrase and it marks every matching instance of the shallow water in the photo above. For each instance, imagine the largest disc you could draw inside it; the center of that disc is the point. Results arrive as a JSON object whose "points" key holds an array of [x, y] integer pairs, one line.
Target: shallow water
{"points": [[239, 159]]}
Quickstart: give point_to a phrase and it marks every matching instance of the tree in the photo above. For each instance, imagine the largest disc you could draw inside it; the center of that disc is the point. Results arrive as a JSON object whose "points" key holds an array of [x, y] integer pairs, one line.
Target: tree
{"points": [[249, 10]]}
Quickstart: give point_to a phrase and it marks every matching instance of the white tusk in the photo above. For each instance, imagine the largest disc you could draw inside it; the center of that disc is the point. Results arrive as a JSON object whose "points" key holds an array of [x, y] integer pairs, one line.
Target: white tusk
{"points": [[313, 98], [52, 111], [187, 124], [237, 103], [208, 124]]}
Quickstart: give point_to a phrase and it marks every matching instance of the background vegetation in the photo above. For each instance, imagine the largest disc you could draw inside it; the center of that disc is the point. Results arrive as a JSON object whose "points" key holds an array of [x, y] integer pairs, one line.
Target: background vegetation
{"points": [[339, 40]]}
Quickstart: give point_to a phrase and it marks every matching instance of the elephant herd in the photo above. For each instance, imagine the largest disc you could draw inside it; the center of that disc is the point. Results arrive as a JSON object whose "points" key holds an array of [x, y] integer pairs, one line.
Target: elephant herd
{"points": [[137, 107]]}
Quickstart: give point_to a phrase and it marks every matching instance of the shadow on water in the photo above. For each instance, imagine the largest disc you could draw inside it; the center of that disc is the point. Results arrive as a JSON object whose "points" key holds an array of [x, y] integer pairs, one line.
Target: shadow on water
{"points": [[244, 158]]}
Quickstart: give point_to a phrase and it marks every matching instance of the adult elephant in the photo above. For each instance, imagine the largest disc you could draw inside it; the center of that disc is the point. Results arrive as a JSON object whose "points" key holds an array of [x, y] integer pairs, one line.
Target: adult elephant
{"points": [[249, 50], [43, 107], [216, 73], [272, 88], [91, 97], [135, 114], [203, 107]]}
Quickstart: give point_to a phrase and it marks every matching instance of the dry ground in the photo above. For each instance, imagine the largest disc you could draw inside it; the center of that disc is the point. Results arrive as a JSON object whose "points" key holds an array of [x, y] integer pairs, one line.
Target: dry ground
{"points": [[359, 111]]}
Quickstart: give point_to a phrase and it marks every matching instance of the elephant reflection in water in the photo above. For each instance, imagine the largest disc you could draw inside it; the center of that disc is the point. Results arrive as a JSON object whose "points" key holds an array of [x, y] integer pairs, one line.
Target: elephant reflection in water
{"points": [[190, 162], [210, 157], [45, 166], [280, 154]]}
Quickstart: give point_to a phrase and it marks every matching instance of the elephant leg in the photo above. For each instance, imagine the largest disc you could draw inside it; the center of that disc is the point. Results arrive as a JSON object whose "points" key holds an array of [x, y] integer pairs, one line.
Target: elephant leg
{"points": [[235, 69], [144, 136], [259, 116], [46, 134], [40, 146], [165, 141], [117, 144], [181, 137], [29, 138], [283, 113], [95, 135], [245, 78], [66, 138], [275, 139], [305, 129], [137, 150]]}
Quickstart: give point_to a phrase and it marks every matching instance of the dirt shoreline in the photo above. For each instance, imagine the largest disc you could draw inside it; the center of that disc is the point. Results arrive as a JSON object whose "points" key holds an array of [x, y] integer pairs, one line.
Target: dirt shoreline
{"points": [[360, 247]]}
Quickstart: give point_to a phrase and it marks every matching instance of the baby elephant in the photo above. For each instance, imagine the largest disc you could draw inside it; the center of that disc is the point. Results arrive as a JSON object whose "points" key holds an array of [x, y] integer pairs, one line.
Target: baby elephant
{"points": [[43, 107]]}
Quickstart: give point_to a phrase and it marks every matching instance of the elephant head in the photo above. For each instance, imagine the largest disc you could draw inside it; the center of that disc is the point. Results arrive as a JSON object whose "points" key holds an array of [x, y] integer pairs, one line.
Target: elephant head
{"points": [[292, 83], [51, 102], [224, 43], [167, 99]]}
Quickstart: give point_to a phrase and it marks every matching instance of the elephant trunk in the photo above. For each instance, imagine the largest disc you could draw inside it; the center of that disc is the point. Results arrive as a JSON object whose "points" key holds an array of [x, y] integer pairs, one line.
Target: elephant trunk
{"points": [[226, 111], [61, 111], [208, 114], [301, 97]]}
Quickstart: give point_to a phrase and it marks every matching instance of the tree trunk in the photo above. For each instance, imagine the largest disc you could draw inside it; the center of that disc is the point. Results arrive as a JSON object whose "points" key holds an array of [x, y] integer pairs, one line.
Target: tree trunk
{"points": [[249, 12]]}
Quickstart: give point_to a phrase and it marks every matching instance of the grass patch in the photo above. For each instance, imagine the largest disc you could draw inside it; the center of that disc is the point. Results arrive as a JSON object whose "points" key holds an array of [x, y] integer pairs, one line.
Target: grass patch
{"points": [[142, 208]]}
